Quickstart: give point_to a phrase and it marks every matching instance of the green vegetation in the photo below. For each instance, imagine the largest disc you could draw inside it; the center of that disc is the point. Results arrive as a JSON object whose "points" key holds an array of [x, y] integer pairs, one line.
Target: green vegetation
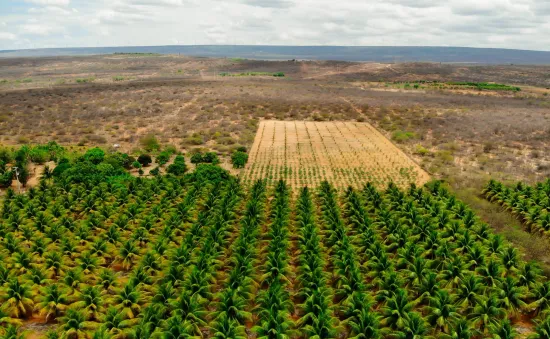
{"points": [[486, 86], [137, 54], [119, 78], [163, 158], [3, 81], [150, 143], [181, 256], [206, 158], [250, 74], [85, 80], [529, 204], [239, 159], [178, 167], [455, 85], [24, 81], [145, 160], [402, 136]]}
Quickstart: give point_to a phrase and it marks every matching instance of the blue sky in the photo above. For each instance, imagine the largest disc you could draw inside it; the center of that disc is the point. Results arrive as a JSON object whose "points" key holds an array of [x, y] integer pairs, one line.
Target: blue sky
{"points": [[522, 24]]}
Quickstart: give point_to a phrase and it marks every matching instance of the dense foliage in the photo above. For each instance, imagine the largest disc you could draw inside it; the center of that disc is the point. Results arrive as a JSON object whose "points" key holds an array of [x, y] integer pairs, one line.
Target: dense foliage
{"points": [[199, 255], [205, 158]]}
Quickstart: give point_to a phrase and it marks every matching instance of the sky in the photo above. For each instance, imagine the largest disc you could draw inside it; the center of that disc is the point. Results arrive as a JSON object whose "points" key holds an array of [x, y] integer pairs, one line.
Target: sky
{"points": [[518, 24]]}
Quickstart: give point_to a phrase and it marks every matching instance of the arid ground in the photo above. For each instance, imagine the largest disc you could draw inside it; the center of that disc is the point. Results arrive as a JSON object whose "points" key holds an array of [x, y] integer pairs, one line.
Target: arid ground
{"points": [[118, 99]]}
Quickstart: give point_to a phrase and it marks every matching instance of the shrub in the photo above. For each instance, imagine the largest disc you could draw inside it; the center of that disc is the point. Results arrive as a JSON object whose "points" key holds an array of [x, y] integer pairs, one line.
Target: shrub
{"points": [[239, 159], [6, 179], [118, 159], [402, 136], [95, 155], [144, 160], [136, 164], [170, 149], [210, 158], [178, 167], [420, 150], [149, 143], [38, 155], [163, 158], [241, 149], [196, 158], [155, 171], [210, 173], [6, 155]]}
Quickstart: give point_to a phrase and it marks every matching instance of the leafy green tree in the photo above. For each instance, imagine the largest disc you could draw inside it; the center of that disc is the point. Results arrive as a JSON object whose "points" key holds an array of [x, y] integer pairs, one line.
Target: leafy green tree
{"points": [[163, 158], [239, 159], [95, 155], [144, 160], [197, 158], [178, 167]]}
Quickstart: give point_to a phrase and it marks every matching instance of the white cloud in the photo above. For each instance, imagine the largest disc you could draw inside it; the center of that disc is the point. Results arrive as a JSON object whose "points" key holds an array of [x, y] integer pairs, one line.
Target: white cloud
{"points": [[50, 2], [7, 36], [521, 24], [52, 10], [39, 29]]}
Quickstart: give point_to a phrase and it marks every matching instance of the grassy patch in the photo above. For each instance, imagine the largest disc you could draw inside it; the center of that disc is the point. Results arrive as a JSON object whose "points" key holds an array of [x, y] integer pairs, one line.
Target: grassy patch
{"points": [[402, 136], [84, 80]]}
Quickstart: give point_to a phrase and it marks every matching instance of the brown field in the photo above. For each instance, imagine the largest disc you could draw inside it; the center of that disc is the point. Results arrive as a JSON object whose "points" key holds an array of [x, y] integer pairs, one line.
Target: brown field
{"points": [[304, 153]]}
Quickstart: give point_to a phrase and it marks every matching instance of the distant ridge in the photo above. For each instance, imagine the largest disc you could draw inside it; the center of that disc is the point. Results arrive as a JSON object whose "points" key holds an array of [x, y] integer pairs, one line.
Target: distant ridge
{"points": [[372, 53]]}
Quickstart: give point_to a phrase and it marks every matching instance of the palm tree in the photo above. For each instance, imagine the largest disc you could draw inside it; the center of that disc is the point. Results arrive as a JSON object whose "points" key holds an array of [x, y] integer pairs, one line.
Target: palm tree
{"points": [[53, 302], [91, 302], [16, 299], [542, 329], [225, 328], [540, 295], [397, 310], [128, 301], [461, 330], [468, 292], [75, 325], [511, 296], [415, 328], [128, 254], [442, 311], [233, 306], [116, 324], [323, 326], [366, 325], [12, 332], [487, 312], [188, 308], [503, 330], [176, 329]]}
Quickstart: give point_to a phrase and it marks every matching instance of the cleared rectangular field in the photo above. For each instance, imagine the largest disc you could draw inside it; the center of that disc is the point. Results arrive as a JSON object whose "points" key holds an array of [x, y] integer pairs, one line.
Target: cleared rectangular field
{"points": [[344, 153]]}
